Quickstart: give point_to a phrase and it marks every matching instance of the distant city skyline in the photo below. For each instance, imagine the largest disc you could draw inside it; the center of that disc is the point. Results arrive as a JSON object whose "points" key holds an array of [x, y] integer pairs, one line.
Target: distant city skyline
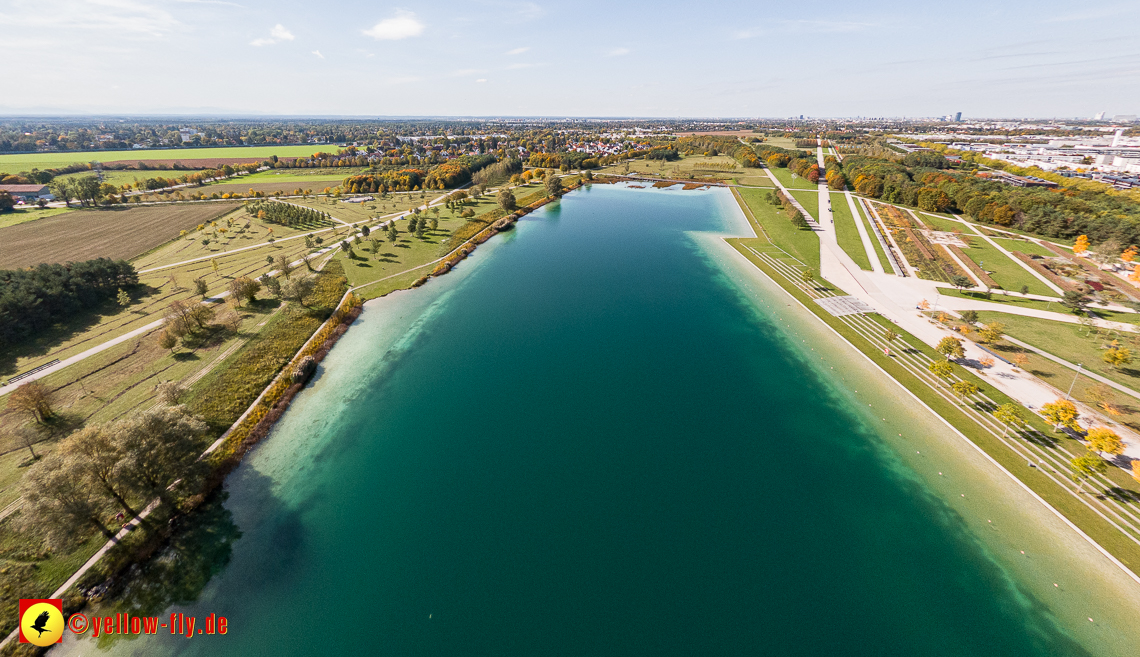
{"points": [[508, 58]]}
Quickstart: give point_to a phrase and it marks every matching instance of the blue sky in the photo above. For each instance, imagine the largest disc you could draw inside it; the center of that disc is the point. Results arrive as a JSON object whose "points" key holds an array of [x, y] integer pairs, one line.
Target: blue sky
{"points": [[580, 58]]}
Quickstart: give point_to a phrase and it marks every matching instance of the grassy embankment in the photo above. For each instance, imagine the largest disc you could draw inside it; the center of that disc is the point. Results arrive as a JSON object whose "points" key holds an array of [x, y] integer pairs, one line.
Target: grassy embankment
{"points": [[801, 243], [846, 233], [1105, 534], [810, 201], [879, 252], [1008, 274]]}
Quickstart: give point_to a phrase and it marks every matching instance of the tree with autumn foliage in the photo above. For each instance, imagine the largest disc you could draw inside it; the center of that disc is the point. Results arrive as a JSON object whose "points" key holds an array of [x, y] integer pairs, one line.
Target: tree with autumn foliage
{"points": [[1081, 245]]}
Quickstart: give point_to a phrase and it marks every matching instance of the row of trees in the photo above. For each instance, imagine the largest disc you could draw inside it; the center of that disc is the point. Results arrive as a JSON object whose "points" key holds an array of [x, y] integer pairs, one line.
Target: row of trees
{"points": [[921, 180], [1061, 413], [287, 214], [779, 198], [402, 180], [34, 299], [456, 172]]}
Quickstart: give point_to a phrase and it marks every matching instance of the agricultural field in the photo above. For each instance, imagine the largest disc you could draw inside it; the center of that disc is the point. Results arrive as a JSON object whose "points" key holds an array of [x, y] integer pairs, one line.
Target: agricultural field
{"points": [[118, 233], [24, 214], [15, 163], [846, 233], [297, 175]]}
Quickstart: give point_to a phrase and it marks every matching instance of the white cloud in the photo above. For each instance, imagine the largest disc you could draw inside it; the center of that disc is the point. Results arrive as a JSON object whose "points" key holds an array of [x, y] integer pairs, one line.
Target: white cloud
{"points": [[278, 33], [618, 52], [402, 26], [481, 80], [517, 51], [318, 54]]}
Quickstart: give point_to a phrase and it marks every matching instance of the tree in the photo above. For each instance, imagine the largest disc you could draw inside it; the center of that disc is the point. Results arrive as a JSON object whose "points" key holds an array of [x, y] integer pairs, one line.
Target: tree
{"points": [[807, 275], [244, 287], [158, 447], [1081, 245], [1103, 439], [1117, 357], [1086, 466], [283, 264], [200, 287], [297, 289], [1136, 469], [1010, 416], [507, 199], [969, 316], [941, 369], [97, 458], [951, 348], [961, 282], [1075, 301], [123, 298], [32, 399], [964, 389], [798, 220], [62, 189], [1061, 413], [553, 186], [1025, 289], [274, 285], [992, 332], [58, 505], [890, 336], [28, 437], [167, 340]]}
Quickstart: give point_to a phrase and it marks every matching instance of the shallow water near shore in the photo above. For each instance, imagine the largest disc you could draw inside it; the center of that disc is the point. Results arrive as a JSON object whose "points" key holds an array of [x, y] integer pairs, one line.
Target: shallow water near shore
{"points": [[606, 434]]}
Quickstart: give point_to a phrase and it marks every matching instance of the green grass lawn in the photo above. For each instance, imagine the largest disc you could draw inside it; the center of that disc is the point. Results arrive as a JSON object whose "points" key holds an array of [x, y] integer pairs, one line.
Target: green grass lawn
{"points": [[879, 252], [810, 201], [24, 214], [1072, 342], [785, 177], [939, 223], [801, 243], [27, 161], [1010, 275], [1025, 246], [847, 233], [997, 297]]}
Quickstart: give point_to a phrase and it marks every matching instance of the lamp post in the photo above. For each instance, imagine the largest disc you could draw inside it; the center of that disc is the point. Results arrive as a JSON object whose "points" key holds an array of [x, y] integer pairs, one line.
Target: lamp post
{"points": [[1069, 394]]}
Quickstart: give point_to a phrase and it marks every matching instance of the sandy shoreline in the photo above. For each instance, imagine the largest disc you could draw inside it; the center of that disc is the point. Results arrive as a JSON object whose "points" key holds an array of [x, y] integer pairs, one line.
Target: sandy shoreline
{"points": [[997, 510]]}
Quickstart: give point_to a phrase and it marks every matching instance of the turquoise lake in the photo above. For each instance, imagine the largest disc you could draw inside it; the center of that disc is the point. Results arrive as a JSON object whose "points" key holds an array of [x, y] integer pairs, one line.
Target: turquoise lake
{"points": [[587, 440]]}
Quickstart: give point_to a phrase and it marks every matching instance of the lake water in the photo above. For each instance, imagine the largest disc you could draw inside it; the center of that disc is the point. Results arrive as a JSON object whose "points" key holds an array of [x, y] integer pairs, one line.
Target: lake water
{"points": [[603, 435]]}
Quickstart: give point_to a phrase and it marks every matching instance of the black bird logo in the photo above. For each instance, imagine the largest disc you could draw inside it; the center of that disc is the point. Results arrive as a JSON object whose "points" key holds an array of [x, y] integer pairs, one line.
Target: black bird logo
{"points": [[41, 620]]}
